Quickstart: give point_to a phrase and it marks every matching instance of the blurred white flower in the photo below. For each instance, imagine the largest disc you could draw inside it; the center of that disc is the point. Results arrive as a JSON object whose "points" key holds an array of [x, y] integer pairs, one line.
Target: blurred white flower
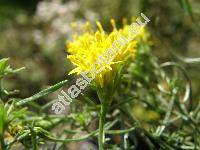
{"points": [[91, 16], [54, 18], [38, 37], [47, 10]]}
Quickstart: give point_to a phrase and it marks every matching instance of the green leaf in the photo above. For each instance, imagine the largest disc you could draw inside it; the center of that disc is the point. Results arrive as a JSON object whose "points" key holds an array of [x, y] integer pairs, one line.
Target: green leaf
{"points": [[42, 93], [3, 64], [2, 120], [5, 69], [185, 4], [9, 70]]}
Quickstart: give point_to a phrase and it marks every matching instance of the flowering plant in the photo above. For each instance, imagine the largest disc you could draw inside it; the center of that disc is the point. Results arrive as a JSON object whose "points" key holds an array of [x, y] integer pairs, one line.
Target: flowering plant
{"points": [[103, 58]]}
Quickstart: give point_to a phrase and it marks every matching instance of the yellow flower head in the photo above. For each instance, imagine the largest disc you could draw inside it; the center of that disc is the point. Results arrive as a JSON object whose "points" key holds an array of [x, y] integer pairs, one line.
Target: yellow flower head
{"points": [[100, 52]]}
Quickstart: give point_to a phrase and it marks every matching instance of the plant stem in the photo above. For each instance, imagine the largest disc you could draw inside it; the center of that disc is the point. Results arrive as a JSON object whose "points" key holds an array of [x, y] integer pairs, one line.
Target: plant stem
{"points": [[101, 125], [2, 144]]}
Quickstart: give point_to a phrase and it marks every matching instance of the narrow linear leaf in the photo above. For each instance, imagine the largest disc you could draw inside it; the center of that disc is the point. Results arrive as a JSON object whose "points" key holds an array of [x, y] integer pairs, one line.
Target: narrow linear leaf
{"points": [[2, 120], [42, 93], [185, 4], [3, 64]]}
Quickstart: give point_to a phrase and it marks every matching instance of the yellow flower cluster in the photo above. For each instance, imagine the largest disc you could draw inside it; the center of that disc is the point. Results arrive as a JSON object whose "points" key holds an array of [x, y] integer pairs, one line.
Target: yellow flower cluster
{"points": [[97, 53]]}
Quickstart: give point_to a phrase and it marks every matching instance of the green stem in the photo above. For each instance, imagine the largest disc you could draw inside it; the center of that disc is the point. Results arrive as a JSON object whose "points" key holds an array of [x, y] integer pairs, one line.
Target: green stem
{"points": [[101, 125], [3, 145], [1, 88]]}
